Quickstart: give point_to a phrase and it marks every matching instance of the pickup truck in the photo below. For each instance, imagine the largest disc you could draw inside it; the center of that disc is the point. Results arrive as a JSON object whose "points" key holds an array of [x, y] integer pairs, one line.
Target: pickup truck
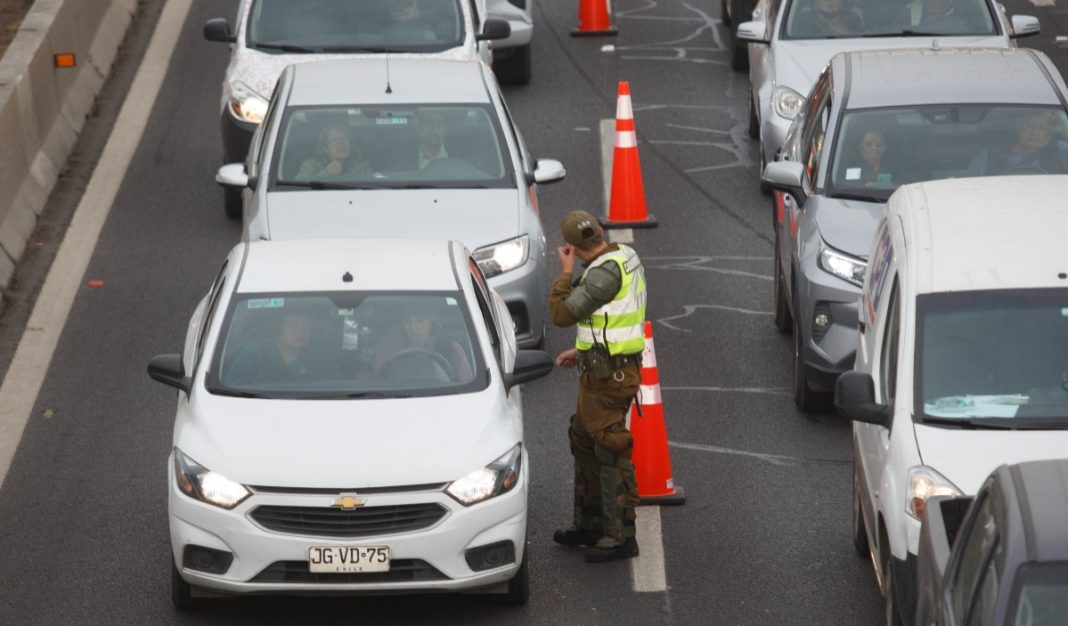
{"points": [[1000, 557]]}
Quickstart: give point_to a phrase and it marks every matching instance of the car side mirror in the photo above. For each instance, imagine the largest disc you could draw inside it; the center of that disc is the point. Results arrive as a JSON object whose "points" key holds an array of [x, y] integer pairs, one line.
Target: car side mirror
{"points": [[753, 32], [218, 29], [168, 369], [233, 175], [529, 365], [786, 176], [494, 28], [548, 171], [854, 397], [1024, 26]]}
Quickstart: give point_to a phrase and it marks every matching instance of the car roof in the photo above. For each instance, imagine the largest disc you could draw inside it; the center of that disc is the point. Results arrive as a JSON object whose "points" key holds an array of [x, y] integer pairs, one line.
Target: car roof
{"points": [[410, 80], [881, 78], [375, 265], [997, 232], [1042, 492]]}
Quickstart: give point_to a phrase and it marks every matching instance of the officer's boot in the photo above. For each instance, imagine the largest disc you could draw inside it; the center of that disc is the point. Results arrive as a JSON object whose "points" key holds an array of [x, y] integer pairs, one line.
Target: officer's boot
{"points": [[619, 540], [586, 524]]}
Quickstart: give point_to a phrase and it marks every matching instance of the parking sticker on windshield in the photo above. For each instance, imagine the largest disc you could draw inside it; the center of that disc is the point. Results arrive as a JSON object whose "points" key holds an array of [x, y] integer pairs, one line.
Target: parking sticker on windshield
{"points": [[266, 303], [852, 173], [388, 121]]}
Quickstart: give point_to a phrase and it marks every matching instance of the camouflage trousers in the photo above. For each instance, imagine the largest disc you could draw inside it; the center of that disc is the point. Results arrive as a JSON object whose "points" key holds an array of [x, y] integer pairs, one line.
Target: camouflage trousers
{"points": [[606, 491]]}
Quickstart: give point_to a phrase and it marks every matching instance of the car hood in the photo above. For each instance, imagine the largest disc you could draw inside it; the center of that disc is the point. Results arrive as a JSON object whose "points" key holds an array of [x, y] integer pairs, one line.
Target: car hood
{"points": [[797, 63], [260, 71], [849, 225], [474, 217], [348, 443], [966, 457]]}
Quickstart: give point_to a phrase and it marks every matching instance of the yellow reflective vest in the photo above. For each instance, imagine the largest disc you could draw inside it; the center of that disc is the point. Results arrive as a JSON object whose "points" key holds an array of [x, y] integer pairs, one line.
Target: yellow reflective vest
{"points": [[620, 323]]}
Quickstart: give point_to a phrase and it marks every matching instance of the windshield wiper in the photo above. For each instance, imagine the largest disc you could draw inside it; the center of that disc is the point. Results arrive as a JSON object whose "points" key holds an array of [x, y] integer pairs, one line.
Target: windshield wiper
{"points": [[235, 393], [969, 424], [319, 185], [377, 50], [856, 196], [285, 47], [910, 33], [377, 394]]}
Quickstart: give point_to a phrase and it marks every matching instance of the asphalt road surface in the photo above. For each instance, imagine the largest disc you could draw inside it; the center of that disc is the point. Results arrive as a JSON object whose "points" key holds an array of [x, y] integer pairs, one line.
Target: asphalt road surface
{"points": [[764, 535]]}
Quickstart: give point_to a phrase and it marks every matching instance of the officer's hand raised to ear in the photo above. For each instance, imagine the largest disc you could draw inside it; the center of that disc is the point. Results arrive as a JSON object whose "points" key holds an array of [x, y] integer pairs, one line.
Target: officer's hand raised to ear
{"points": [[567, 257]]}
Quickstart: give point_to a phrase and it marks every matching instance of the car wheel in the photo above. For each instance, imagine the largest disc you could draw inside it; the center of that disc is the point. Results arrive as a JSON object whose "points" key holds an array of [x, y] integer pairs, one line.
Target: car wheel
{"points": [[805, 397], [782, 311], [724, 13], [182, 592], [754, 121], [519, 586], [739, 49], [514, 69], [860, 536], [232, 203]]}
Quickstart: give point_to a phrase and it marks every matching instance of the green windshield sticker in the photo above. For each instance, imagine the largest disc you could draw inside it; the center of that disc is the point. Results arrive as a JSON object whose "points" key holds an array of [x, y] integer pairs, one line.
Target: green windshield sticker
{"points": [[266, 303], [386, 121]]}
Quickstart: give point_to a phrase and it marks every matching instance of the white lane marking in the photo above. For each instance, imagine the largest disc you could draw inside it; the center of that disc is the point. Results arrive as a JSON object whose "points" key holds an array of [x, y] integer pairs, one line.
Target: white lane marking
{"points": [[608, 146], [38, 343], [774, 459], [777, 391], [647, 570]]}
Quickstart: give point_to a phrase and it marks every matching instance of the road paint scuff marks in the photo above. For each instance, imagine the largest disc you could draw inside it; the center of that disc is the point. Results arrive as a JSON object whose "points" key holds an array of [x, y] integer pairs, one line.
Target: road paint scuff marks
{"points": [[774, 459]]}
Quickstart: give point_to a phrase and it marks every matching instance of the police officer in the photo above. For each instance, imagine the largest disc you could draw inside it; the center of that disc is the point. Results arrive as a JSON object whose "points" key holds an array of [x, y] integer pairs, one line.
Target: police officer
{"points": [[606, 304]]}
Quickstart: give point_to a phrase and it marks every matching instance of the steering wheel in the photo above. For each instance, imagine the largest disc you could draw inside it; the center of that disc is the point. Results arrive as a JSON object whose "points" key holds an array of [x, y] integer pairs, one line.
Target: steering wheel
{"points": [[442, 370]]}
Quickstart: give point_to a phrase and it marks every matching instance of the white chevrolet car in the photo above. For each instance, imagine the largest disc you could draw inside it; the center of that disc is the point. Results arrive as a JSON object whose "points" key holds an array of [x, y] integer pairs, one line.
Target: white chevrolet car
{"points": [[348, 424]]}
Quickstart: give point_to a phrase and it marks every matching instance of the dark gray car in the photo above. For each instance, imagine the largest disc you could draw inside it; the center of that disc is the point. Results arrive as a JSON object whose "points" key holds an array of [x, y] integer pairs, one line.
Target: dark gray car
{"points": [[873, 121]]}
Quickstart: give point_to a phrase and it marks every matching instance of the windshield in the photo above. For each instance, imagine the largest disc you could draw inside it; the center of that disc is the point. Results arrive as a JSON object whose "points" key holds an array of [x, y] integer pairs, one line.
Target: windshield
{"points": [[879, 149], [403, 146], [997, 355], [355, 26], [1042, 595], [832, 19], [350, 344]]}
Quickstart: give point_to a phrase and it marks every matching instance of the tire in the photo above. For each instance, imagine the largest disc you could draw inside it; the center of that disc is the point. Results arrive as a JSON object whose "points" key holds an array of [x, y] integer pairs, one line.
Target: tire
{"points": [[805, 397], [783, 320], [519, 586], [739, 50], [232, 203], [514, 69], [860, 536], [754, 121], [182, 592], [724, 13]]}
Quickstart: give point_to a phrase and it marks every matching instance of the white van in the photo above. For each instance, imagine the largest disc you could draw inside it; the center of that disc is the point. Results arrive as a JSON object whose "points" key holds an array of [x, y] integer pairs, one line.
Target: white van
{"points": [[962, 358]]}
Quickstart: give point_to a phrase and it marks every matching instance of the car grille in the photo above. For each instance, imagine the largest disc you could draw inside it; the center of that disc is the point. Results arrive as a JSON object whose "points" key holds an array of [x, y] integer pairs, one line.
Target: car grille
{"points": [[400, 570], [361, 522]]}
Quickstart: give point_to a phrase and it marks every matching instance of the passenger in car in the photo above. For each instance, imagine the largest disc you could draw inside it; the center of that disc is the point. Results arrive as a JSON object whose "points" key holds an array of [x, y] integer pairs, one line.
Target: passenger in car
{"points": [[827, 18], [431, 137], [1034, 150], [279, 358], [418, 340], [335, 157], [942, 16], [869, 169]]}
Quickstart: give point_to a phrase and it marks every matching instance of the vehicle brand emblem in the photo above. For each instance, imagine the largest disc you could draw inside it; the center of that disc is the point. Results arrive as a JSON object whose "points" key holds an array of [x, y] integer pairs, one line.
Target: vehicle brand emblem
{"points": [[347, 502]]}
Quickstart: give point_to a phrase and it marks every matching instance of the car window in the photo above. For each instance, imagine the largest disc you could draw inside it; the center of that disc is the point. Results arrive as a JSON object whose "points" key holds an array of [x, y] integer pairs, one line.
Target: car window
{"points": [[879, 149], [834, 19], [482, 296], [209, 311], [346, 344], [396, 146], [981, 612], [524, 155], [1041, 594], [287, 26], [971, 560], [889, 351], [814, 132]]}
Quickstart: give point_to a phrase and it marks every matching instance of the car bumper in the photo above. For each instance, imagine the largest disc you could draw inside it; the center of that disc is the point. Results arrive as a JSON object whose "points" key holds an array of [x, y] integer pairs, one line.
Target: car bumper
{"points": [[425, 560], [524, 292], [831, 349], [236, 137]]}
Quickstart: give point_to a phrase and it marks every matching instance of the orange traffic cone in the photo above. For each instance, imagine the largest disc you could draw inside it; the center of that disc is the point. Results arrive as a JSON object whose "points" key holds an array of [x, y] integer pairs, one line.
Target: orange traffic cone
{"points": [[593, 19], [652, 463], [626, 206]]}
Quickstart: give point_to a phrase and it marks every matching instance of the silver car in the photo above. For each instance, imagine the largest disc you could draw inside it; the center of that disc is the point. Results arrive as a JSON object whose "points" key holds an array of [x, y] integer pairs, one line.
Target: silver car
{"points": [[271, 34], [790, 41], [402, 147], [873, 121]]}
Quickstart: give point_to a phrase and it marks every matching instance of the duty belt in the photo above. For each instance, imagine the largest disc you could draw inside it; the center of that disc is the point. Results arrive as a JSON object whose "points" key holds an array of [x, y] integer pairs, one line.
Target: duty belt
{"points": [[618, 361]]}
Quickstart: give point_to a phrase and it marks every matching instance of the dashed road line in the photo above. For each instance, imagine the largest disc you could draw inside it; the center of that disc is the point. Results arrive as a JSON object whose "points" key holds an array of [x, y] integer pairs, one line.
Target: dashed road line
{"points": [[774, 459]]}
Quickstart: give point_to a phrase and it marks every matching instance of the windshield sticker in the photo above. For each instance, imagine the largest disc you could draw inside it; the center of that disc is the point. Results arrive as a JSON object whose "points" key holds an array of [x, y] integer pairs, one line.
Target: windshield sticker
{"points": [[389, 121], [852, 173], [450, 301], [976, 406], [266, 303]]}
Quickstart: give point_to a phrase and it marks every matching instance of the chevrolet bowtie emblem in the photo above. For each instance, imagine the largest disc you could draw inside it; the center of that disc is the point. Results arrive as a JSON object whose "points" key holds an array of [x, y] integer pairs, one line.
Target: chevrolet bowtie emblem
{"points": [[347, 503]]}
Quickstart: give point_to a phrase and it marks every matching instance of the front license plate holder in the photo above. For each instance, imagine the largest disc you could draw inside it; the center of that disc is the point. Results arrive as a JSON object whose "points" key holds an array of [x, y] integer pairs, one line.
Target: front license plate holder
{"points": [[348, 559]]}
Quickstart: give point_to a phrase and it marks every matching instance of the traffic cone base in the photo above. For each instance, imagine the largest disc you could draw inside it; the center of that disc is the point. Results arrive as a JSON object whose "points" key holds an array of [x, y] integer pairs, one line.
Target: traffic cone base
{"points": [[648, 222], [674, 499]]}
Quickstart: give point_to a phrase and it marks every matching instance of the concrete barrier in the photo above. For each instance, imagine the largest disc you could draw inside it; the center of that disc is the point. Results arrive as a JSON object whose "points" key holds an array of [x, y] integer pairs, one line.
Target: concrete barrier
{"points": [[42, 108]]}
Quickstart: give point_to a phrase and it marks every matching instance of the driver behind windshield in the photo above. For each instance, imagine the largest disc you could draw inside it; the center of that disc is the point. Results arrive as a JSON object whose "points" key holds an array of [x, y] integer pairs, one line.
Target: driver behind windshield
{"points": [[420, 342], [1034, 149], [830, 18]]}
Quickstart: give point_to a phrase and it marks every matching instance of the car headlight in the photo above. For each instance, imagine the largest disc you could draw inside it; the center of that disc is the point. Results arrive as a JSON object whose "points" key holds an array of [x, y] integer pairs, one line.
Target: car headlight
{"points": [[843, 266], [503, 257], [787, 102], [493, 480], [246, 103], [200, 483], [925, 483]]}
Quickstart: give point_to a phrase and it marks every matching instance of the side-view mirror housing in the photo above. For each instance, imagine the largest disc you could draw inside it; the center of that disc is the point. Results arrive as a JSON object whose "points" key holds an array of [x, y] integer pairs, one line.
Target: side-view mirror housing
{"points": [[753, 32], [786, 176], [494, 28], [218, 29], [168, 369], [529, 365], [1024, 26], [233, 175], [854, 397], [548, 171]]}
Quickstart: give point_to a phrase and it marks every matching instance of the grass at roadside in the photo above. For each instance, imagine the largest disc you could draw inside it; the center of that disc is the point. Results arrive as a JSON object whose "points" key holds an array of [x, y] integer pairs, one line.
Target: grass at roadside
{"points": [[11, 14]]}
